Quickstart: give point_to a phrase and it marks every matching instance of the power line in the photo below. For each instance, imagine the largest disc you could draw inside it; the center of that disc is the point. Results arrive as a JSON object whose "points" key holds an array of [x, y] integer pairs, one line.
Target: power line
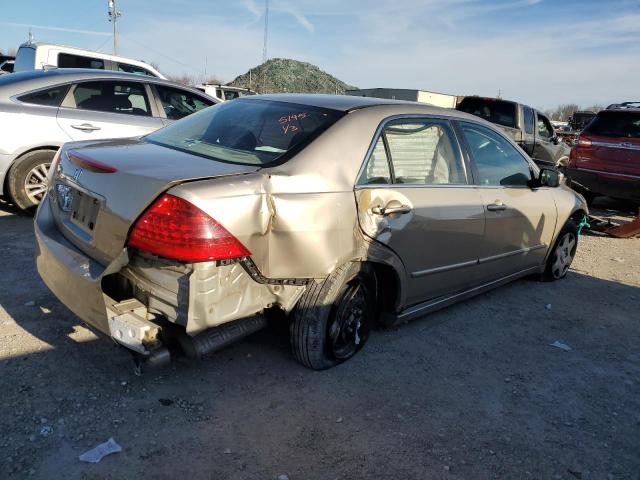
{"points": [[157, 52]]}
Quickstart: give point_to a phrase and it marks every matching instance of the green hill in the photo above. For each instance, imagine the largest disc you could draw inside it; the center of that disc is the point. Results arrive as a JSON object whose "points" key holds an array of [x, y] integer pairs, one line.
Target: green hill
{"points": [[279, 75]]}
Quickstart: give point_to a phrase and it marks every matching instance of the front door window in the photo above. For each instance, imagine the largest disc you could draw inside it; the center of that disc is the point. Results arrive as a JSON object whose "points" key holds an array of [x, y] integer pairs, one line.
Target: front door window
{"points": [[498, 162]]}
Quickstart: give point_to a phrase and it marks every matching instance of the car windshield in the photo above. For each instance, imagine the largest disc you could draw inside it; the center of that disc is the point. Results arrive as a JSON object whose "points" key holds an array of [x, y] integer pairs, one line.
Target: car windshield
{"points": [[616, 124], [494, 111], [249, 132]]}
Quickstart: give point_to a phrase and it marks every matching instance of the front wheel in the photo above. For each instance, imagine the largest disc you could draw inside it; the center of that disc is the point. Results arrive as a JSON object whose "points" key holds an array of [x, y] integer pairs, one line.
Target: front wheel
{"points": [[333, 319], [563, 252], [27, 179]]}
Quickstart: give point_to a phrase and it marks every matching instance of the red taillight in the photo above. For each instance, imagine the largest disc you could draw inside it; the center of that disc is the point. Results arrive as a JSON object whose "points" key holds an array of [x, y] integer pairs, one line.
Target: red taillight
{"points": [[89, 164], [174, 228], [583, 141]]}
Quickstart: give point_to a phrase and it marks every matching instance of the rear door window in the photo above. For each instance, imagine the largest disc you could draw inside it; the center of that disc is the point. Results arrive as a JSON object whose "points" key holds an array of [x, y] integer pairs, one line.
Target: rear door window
{"points": [[497, 161], [616, 124], [376, 170], [114, 97], [528, 120], [51, 97], [67, 60], [422, 152], [178, 103]]}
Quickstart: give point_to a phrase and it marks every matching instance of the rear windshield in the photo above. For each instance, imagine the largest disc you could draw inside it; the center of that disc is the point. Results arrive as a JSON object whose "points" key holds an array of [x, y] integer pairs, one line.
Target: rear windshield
{"points": [[616, 124], [248, 132], [494, 111]]}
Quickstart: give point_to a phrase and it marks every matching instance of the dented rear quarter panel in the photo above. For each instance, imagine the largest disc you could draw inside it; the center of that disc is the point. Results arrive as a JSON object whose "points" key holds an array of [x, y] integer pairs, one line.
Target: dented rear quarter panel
{"points": [[300, 219]]}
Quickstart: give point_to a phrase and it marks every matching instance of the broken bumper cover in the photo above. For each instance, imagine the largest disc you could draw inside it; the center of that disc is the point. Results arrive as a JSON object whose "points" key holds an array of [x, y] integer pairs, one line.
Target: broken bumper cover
{"points": [[72, 276], [196, 296]]}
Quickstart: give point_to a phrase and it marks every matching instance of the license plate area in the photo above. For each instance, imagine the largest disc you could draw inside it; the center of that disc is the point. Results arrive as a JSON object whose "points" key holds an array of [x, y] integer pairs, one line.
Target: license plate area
{"points": [[84, 211]]}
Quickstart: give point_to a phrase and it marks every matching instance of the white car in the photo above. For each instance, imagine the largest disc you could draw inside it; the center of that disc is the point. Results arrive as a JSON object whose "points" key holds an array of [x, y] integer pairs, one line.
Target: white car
{"points": [[40, 110], [224, 92], [38, 56]]}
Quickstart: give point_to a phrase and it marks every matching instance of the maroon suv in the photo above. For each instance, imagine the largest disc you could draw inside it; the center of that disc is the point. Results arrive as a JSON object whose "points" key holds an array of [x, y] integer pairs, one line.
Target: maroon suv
{"points": [[606, 157]]}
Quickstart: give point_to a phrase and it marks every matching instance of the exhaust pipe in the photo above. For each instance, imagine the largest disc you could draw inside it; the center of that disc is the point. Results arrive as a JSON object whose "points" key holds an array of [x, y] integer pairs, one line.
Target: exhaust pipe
{"points": [[213, 339]]}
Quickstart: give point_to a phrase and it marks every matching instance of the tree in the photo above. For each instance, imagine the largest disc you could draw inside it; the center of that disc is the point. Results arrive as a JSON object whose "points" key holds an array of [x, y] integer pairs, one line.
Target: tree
{"points": [[192, 80], [564, 112], [595, 108]]}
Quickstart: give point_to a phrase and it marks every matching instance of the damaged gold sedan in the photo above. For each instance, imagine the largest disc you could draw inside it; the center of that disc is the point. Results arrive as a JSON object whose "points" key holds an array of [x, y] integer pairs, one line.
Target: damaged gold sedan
{"points": [[341, 212]]}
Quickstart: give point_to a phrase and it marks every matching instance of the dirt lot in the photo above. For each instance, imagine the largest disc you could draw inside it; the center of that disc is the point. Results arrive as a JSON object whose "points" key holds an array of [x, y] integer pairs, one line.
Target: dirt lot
{"points": [[472, 392]]}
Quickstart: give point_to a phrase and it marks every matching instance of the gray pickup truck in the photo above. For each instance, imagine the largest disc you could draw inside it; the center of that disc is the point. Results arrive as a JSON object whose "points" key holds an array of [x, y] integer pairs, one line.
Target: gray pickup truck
{"points": [[526, 126]]}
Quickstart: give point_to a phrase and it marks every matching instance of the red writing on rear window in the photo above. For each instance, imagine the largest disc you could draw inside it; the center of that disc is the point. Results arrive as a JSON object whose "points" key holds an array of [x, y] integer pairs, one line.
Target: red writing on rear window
{"points": [[285, 122]]}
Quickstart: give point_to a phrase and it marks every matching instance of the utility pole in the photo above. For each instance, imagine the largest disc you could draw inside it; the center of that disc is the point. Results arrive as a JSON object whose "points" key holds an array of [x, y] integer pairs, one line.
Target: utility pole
{"points": [[114, 14], [266, 31]]}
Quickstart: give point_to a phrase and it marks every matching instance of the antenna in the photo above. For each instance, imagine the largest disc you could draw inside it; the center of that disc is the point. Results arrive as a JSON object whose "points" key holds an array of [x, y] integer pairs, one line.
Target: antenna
{"points": [[114, 14], [266, 31]]}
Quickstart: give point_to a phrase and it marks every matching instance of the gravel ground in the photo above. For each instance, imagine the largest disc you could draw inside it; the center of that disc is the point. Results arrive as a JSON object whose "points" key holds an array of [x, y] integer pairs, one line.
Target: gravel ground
{"points": [[474, 391]]}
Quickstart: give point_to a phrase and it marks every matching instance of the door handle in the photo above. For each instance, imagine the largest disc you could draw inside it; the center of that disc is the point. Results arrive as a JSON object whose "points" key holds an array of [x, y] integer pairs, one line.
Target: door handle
{"points": [[378, 210], [497, 206], [85, 127]]}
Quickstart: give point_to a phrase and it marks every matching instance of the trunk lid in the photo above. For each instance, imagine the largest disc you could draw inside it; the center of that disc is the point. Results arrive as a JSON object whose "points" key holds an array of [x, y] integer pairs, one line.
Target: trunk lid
{"points": [[99, 189]]}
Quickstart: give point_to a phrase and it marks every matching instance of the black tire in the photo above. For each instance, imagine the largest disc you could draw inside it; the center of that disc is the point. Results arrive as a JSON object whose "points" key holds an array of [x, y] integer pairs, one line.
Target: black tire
{"points": [[563, 253], [334, 317], [18, 175]]}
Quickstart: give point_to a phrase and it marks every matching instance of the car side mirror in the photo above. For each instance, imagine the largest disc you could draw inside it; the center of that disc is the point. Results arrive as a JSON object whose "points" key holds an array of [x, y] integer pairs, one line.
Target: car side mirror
{"points": [[556, 140], [549, 177]]}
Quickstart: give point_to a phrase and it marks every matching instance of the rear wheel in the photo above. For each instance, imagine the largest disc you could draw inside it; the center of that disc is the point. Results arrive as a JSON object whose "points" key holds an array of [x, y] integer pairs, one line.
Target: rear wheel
{"points": [[563, 252], [334, 317], [27, 179]]}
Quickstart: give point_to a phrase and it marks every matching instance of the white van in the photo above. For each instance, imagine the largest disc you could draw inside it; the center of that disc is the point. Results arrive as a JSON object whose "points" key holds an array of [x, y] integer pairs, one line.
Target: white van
{"points": [[224, 93], [37, 56]]}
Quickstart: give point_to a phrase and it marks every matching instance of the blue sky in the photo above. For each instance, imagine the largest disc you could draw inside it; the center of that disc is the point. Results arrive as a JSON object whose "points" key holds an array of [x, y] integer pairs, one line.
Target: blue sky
{"points": [[541, 52]]}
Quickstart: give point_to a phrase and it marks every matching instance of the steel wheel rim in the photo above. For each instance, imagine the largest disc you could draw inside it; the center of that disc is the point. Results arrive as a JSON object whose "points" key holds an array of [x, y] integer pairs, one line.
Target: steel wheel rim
{"points": [[563, 255], [35, 183], [348, 330]]}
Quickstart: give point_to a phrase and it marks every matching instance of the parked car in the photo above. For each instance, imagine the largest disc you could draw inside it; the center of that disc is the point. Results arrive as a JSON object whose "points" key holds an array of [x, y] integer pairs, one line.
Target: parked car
{"points": [[624, 105], [581, 119], [6, 64], [7, 67], [606, 157], [331, 209], [39, 55], [224, 92], [40, 110], [529, 128]]}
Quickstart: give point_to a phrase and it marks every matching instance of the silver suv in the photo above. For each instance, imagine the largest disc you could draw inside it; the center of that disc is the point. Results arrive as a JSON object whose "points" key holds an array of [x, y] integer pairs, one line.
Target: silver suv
{"points": [[41, 110]]}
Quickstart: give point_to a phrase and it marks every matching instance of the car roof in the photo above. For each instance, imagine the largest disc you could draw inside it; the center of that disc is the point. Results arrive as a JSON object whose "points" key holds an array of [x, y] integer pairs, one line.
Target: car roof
{"points": [[610, 110], [343, 103], [20, 82], [347, 103]]}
